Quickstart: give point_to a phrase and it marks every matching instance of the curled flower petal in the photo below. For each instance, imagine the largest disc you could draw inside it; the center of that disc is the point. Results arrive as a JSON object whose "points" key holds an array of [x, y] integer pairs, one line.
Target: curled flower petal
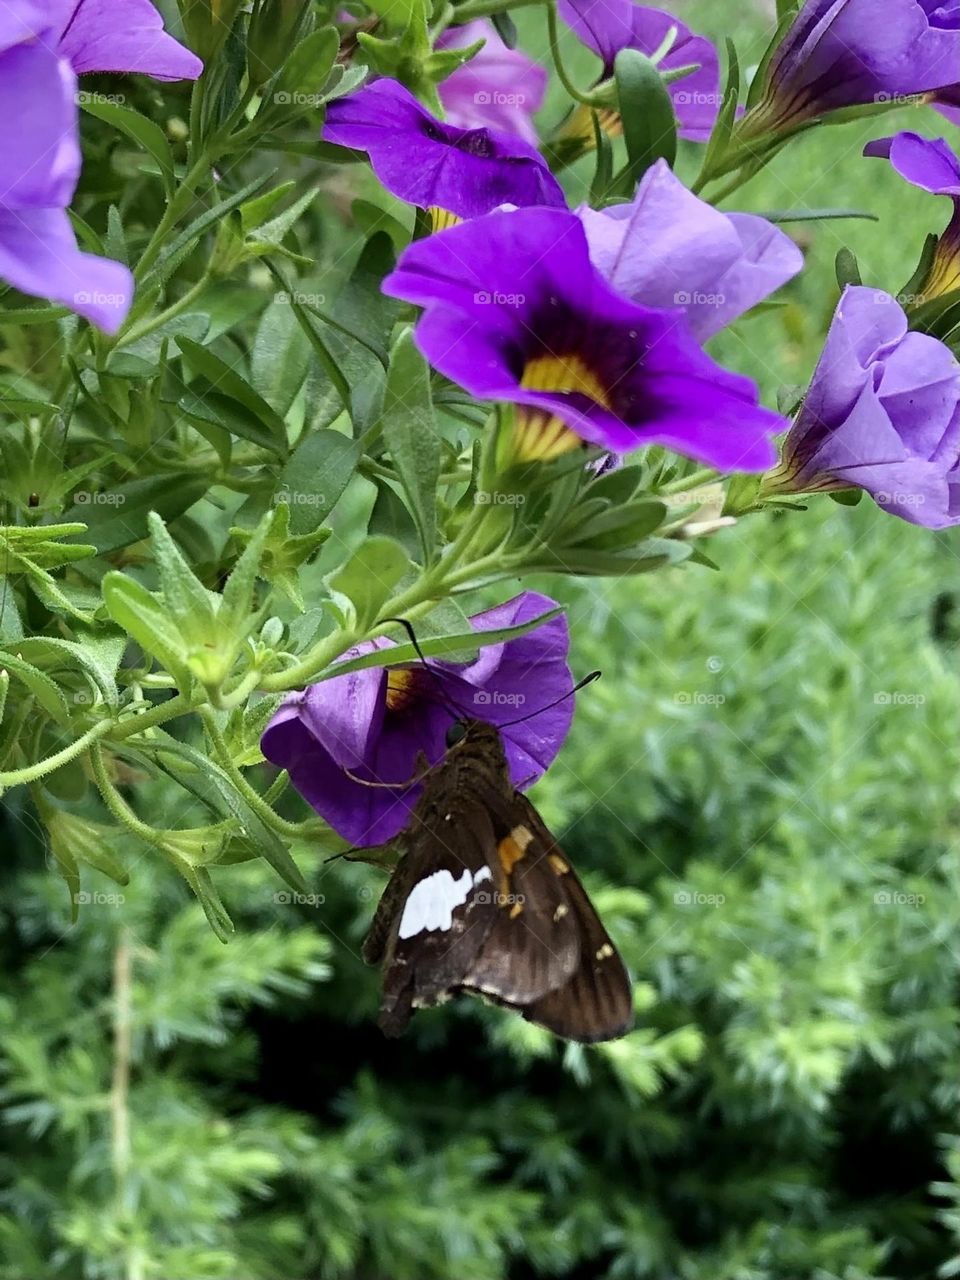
{"points": [[466, 172], [668, 248], [882, 414], [104, 35]]}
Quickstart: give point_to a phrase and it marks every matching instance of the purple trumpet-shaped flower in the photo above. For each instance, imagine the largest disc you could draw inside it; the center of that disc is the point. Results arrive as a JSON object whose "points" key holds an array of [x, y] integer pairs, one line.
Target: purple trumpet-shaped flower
{"points": [[374, 724], [607, 26], [850, 53], [42, 47], [499, 88], [932, 165], [882, 414], [463, 172], [516, 311], [668, 248]]}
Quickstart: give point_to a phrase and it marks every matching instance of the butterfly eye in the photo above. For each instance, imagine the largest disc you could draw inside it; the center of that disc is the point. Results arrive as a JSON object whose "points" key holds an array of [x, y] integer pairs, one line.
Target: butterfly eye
{"points": [[456, 733]]}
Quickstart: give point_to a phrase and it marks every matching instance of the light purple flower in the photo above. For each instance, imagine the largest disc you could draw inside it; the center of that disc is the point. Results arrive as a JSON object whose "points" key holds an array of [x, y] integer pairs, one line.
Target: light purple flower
{"points": [[607, 26], [123, 36], [847, 53], [499, 88], [516, 311], [465, 172], [882, 414], [375, 723], [932, 165], [668, 248], [42, 47]]}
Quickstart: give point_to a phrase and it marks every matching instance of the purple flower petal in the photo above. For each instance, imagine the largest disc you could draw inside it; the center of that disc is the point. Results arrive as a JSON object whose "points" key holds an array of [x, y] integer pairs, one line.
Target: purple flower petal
{"points": [[882, 414], [376, 725], [607, 26], [928, 163], [842, 53], [668, 248], [105, 35], [499, 88], [40, 160], [39, 255], [508, 292], [428, 163]]}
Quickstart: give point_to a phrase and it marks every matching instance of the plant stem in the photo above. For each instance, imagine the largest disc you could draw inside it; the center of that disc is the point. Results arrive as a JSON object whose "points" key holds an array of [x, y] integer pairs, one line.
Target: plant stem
{"points": [[31, 772], [253, 798]]}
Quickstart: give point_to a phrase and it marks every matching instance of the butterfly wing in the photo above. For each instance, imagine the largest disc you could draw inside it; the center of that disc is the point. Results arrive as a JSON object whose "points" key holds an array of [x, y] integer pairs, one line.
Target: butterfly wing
{"points": [[592, 1000]]}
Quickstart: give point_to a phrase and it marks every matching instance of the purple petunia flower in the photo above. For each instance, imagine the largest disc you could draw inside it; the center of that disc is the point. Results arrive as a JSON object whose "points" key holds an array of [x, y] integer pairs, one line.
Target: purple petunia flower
{"points": [[499, 88], [882, 414], [932, 165], [607, 26], [668, 248], [848, 53], [42, 47], [516, 311], [375, 723], [464, 172]]}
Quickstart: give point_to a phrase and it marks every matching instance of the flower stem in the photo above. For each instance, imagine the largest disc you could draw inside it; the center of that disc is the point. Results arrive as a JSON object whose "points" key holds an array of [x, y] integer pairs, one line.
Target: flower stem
{"points": [[578, 95], [253, 798]]}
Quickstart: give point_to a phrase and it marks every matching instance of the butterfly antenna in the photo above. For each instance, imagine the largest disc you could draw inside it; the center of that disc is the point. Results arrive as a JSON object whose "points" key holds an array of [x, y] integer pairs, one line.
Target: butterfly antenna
{"points": [[581, 684], [445, 702]]}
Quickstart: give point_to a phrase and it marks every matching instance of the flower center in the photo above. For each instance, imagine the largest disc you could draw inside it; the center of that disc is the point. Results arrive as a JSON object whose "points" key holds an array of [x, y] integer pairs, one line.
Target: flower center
{"points": [[539, 434], [401, 688], [441, 219]]}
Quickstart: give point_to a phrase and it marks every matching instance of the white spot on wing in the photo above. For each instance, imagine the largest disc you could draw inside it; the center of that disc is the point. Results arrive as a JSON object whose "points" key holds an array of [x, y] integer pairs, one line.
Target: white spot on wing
{"points": [[483, 874], [432, 902]]}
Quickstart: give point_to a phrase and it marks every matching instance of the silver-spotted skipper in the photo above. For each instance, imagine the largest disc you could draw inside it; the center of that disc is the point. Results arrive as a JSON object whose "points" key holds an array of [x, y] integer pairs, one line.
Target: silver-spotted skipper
{"points": [[484, 901]]}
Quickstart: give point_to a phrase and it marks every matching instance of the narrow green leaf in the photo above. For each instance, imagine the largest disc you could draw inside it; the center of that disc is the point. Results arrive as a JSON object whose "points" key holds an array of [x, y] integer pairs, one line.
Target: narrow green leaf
{"points": [[410, 433], [184, 595], [46, 692], [316, 475], [646, 109], [142, 616], [143, 132]]}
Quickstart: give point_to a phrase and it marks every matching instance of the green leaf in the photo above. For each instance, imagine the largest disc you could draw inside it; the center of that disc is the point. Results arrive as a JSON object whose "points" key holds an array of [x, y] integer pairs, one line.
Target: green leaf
{"points": [[236, 604], [847, 268], [190, 604], [410, 433], [143, 616], [317, 473], [369, 577], [46, 692], [228, 382], [123, 520], [206, 408], [308, 69], [646, 109], [98, 656], [144, 133], [817, 215], [620, 527], [281, 357], [438, 646]]}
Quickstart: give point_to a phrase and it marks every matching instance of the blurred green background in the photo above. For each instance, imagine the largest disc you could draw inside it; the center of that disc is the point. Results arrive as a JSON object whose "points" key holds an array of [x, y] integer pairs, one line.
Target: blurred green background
{"points": [[762, 794]]}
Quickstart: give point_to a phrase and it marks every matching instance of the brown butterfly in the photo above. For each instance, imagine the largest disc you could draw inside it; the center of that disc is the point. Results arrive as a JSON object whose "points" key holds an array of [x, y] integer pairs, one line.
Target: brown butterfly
{"points": [[484, 901]]}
